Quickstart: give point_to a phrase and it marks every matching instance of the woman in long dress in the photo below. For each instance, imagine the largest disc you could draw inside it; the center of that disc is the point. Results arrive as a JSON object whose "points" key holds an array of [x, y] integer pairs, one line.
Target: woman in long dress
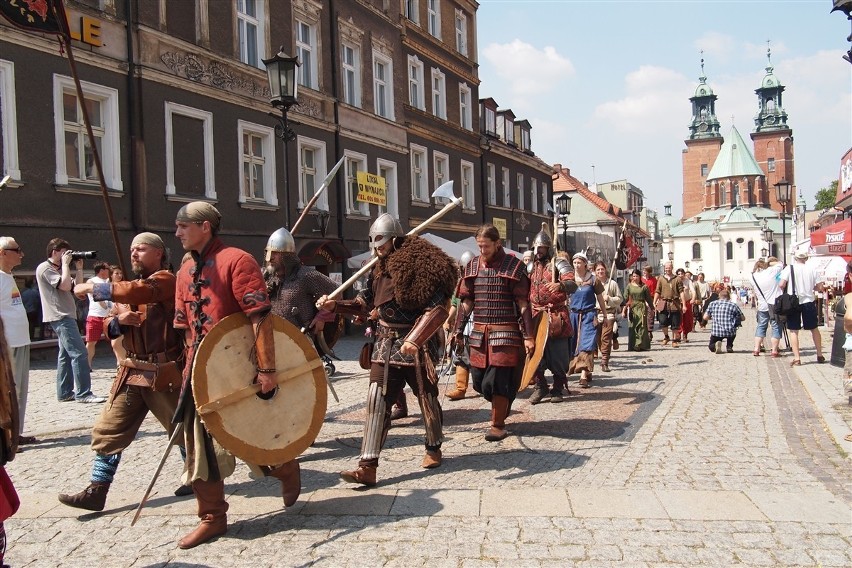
{"points": [[638, 300], [584, 319]]}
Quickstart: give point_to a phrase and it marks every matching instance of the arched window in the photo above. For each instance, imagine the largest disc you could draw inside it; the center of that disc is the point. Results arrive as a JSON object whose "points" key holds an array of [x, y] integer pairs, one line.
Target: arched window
{"points": [[723, 195], [696, 251], [750, 249], [729, 251]]}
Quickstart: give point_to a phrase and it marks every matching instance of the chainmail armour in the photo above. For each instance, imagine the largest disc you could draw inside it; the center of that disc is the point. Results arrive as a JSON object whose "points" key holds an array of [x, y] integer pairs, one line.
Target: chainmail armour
{"points": [[293, 296]]}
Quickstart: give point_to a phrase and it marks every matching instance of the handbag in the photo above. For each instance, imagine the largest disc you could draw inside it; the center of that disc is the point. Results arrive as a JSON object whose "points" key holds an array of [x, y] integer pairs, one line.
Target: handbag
{"points": [[787, 305], [366, 355], [159, 377]]}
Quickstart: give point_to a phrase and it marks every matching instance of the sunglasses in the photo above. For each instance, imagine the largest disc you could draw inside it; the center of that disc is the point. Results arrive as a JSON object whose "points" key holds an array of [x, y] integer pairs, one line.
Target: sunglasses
{"points": [[17, 250]]}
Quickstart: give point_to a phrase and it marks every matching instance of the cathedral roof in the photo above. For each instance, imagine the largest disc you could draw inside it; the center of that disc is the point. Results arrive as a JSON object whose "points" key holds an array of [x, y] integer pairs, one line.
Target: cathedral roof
{"points": [[713, 220], [735, 159]]}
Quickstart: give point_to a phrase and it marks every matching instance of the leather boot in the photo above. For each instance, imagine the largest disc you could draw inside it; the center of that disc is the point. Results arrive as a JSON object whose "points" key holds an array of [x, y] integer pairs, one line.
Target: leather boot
{"points": [[212, 509], [289, 474], [92, 498], [462, 377], [400, 407], [499, 411], [365, 475], [431, 460]]}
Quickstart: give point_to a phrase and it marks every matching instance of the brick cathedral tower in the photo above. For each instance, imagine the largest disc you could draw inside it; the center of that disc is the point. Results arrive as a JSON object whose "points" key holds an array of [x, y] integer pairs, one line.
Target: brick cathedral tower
{"points": [[702, 147], [772, 138]]}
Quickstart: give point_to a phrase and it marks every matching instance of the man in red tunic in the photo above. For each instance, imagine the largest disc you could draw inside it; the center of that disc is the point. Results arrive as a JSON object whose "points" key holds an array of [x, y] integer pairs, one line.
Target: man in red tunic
{"points": [[215, 282], [649, 280], [494, 290]]}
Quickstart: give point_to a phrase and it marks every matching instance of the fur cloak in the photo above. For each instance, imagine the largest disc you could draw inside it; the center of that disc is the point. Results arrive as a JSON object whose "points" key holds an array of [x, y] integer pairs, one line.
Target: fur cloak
{"points": [[419, 269]]}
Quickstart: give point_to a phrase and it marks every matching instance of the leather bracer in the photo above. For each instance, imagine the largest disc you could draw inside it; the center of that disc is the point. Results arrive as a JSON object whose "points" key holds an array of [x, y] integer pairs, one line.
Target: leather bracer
{"points": [[426, 326], [527, 328], [350, 308], [265, 345]]}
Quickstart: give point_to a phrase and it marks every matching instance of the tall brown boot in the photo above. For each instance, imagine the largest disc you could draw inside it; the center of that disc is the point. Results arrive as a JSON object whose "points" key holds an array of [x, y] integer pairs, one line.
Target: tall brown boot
{"points": [[462, 377], [499, 411], [212, 509], [289, 474], [92, 498]]}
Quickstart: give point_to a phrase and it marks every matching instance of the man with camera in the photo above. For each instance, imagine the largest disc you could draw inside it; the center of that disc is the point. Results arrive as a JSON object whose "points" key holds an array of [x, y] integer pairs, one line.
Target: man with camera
{"points": [[59, 310]]}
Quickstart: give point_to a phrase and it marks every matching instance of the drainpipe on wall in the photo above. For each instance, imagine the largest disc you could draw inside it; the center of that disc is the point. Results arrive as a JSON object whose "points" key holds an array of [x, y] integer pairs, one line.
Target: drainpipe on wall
{"points": [[135, 187]]}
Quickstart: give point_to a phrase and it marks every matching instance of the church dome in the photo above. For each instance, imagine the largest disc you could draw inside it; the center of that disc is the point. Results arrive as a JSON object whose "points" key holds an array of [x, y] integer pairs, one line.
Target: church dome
{"points": [[738, 215]]}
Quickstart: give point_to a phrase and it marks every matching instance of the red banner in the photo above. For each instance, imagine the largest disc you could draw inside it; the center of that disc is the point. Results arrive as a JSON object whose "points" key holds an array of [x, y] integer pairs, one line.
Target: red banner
{"points": [[633, 251]]}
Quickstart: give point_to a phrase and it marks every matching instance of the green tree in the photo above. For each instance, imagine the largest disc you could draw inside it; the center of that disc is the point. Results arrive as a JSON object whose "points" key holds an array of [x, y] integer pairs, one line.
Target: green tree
{"points": [[826, 196]]}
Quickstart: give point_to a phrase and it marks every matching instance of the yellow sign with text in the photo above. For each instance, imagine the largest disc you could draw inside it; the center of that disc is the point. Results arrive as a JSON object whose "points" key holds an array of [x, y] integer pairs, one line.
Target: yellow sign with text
{"points": [[371, 189], [500, 224]]}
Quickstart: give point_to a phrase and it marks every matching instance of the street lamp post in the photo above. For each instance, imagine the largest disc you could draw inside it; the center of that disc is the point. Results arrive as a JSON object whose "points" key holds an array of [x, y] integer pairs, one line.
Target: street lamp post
{"points": [[563, 209], [283, 87], [769, 237], [782, 194]]}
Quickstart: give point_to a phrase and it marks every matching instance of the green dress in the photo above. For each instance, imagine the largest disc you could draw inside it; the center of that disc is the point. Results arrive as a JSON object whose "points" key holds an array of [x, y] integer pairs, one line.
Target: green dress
{"points": [[636, 296]]}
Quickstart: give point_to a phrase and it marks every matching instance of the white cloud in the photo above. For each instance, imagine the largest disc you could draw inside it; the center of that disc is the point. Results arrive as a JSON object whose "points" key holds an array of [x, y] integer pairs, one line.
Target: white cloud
{"points": [[715, 43], [529, 71]]}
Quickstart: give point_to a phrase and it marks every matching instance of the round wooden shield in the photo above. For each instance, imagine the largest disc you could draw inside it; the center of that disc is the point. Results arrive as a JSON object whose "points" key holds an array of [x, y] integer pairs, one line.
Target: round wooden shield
{"points": [[259, 429], [541, 324]]}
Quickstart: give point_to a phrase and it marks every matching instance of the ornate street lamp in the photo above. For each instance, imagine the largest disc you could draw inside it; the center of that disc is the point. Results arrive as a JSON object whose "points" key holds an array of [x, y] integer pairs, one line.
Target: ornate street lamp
{"points": [[563, 210], [769, 237], [671, 255], [764, 252], [783, 195], [283, 88], [845, 6]]}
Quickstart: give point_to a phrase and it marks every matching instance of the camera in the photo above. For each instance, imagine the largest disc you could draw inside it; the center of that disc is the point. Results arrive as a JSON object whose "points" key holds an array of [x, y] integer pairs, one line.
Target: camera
{"points": [[84, 254]]}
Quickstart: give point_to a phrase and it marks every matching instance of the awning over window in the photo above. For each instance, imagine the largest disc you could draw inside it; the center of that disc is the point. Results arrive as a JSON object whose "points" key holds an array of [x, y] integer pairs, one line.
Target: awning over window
{"points": [[323, 252]]}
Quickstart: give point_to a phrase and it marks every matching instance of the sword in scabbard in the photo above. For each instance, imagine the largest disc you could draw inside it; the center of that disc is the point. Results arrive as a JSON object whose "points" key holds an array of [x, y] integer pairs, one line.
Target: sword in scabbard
{"points": [[178, 431]]}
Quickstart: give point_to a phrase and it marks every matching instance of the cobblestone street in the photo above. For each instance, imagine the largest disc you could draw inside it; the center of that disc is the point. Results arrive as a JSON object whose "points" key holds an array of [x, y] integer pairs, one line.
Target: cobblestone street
{"points": [[678, 457]]}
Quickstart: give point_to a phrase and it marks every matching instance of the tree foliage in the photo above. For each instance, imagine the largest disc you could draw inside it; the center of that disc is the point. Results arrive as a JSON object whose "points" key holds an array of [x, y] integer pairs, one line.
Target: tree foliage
{"points": [[825, 197]]}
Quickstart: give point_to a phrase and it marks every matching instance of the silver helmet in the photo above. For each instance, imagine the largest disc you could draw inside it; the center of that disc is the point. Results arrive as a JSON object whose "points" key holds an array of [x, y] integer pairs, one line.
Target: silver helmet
{"points": [[542, 238], [280, 241], [383, 229], [466, 257]]}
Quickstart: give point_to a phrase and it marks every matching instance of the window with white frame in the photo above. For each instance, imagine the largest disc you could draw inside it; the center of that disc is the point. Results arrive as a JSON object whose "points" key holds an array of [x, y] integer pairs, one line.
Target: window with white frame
{"points": [[416, 89], [412, 11], [507, 188], [312, 171], [491, 172], [521, 191], [543, 196], [525, 139], [533, 195], [257, 160], [490, 121], [9, 121], [387, 170], [307, 52], [441, 171], [465, 107], [434, 15], [439, 94], [419, 174], [508, 129], [461, 32], [355, 163], [467, 188], [250, 31], [351, 61], [75, 161], [189, 136], [383, 85]]}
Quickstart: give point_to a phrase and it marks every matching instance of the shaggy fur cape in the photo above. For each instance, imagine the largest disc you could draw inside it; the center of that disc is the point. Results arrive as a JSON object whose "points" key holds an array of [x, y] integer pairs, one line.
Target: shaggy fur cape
{"points": [[419, 269]]}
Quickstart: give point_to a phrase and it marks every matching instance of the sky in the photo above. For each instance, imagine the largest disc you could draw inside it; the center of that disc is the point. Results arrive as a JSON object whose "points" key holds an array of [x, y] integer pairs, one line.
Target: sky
{"points": [[606, 84]]}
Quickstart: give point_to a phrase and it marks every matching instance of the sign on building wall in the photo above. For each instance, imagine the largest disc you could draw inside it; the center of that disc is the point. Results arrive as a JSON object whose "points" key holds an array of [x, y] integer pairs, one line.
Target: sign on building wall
{"points": [[371, 189], [500, 224]]}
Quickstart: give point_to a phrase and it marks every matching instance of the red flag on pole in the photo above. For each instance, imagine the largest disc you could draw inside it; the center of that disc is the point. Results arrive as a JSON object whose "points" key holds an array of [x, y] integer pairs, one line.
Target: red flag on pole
{"points": [[34, 15], [633, 251]]}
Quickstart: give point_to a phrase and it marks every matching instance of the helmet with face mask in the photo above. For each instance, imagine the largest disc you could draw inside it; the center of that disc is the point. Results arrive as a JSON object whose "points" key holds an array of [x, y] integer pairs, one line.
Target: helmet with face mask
{"points": [[384, 229], [280, 241]]}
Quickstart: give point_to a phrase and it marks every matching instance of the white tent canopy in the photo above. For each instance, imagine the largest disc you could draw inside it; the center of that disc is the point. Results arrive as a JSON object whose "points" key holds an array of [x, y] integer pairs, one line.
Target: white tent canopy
{"points": [[470, 244], [829, 269], [454, 250]]}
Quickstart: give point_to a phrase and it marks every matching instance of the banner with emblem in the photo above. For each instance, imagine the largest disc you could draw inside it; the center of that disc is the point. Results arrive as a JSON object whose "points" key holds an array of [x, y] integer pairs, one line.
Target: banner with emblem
{"points": [[34, 15]]}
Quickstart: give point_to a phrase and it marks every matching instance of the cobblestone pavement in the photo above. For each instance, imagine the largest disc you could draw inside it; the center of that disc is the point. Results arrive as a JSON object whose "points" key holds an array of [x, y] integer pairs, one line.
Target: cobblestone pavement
{"points": [[678, 457]]}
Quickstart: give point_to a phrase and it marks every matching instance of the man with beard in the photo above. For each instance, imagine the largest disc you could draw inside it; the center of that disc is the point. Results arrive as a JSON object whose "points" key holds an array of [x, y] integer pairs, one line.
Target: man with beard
{"points": [[407, 294], [215, 282], [293, 287], [142, 312], [495, 289], [669, 302], [551, 296]]}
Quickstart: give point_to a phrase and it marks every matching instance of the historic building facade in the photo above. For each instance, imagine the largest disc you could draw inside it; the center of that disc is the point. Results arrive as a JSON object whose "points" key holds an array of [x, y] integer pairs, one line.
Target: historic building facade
{"points": [[180, 103]]}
